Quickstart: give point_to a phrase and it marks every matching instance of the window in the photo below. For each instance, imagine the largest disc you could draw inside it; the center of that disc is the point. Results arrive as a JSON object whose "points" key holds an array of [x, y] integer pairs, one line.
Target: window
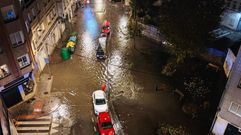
{"points": [[228, 3], [38, 8], [239, 8], [4, 71], [48, 19], [23, 61], [17, 38], [42, 26], [235, 108], [33, 13], [29, 18], [54, 12], [234, 5], [1, 48], [27, 25], [8, 13]]}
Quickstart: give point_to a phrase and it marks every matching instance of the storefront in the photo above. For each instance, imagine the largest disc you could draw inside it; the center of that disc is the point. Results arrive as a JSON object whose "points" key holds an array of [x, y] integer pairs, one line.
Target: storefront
{"points": [[16, 91]]}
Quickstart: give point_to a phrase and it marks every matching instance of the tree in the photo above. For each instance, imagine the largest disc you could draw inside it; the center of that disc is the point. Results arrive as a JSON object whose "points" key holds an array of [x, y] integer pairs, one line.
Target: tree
{"points": [[142, 9], [187, 23], [167, 129]]}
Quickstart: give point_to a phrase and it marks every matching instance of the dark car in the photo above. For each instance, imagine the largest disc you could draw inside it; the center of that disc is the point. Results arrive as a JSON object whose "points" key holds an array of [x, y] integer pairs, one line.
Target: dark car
{"points": [[100, 54]]}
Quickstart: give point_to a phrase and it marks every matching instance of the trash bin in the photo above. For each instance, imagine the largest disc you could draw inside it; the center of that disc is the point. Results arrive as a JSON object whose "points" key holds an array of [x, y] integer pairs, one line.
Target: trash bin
{"points": [[65, 53], [72, 48]]}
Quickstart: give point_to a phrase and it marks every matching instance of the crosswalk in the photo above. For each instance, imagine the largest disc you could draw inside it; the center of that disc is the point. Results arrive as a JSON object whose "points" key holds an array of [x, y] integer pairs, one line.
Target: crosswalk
{"points": [[38, 126]]}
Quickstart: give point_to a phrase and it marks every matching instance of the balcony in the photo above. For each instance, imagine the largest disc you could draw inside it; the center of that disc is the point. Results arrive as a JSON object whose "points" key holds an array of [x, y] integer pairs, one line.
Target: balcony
{"points": [[10, 19], [8, 14], [25, 3]]}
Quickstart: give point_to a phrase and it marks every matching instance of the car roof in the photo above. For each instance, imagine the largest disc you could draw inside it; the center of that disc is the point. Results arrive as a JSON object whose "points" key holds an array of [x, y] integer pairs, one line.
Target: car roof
{"points": [[104, 117], [99, 94]]}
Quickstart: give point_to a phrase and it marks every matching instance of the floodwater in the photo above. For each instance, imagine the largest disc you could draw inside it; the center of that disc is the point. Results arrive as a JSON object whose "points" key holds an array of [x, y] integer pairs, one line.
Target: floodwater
{"points": [[133, 71]]}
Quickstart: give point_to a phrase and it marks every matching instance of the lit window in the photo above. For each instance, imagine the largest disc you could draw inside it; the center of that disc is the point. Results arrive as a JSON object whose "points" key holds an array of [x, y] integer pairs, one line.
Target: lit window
{"points": [[17, 38], [23, 61], [235, 108], [8, 13], [4, 71]]}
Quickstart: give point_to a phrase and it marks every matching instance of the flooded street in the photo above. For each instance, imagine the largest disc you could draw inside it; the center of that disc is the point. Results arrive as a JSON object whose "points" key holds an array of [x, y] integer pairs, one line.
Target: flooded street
{"points": [[133, 72]]}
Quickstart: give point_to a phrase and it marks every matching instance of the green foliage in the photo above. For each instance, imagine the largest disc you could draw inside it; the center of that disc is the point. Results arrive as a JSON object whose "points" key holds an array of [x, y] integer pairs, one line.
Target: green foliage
{"points": [[186, 24], [169, 68], [196, 88], [141, 8], [166, 129]]}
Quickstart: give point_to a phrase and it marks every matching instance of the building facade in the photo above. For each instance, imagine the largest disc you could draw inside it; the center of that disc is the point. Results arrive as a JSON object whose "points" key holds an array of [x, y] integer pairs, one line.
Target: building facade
{"points": [[228, 117], [16, 77], [234, 5], [30, 30]]}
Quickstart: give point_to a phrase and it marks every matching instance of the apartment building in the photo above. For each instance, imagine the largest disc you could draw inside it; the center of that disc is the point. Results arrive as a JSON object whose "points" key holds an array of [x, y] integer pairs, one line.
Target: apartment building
{"points": [[233, 5], [45, 23], [228, 116], [16, 78], [30, 30]]}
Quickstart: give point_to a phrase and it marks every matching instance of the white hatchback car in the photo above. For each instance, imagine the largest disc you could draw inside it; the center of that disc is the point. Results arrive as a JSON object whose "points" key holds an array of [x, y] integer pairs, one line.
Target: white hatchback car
{"points": [[99, 101]]}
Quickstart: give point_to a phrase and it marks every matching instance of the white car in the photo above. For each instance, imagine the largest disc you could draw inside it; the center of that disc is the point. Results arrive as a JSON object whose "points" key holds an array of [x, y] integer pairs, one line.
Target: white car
{"points": [[99, 101]]}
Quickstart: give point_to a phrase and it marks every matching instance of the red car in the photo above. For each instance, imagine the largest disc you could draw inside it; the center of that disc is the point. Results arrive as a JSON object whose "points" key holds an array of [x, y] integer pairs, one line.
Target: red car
{"points": [[105, 124], [106, 27]]}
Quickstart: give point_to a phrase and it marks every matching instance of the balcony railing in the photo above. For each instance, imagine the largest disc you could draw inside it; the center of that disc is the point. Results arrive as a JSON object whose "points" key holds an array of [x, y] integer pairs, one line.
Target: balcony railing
{"points": [[10, 19], [25, 3]]}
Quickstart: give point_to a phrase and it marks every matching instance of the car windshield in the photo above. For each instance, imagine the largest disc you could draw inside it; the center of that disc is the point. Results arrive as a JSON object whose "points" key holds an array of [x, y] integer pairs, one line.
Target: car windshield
{"points": [[100, 53], [106, 125], [99, 101]]}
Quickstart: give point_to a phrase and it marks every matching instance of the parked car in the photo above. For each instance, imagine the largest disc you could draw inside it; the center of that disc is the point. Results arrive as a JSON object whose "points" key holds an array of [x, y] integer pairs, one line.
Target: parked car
{"points": [[100, 54], [106, 27], [105, 125], [99, 102]]}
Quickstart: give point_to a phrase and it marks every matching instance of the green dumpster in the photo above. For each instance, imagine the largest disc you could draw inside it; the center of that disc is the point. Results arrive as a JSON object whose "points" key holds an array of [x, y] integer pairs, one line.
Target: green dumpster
{"points": [[65, 54]]}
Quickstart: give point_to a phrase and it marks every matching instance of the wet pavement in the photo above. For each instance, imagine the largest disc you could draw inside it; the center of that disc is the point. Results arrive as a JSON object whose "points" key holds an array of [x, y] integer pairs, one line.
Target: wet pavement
{"points": [[133, 71]]}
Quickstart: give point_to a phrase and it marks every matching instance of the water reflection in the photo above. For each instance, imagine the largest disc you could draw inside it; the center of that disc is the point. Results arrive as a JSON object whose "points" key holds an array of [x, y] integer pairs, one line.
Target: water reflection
{"points": [[122, 31], [90, 33], [61, 114], [90, 22]]}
